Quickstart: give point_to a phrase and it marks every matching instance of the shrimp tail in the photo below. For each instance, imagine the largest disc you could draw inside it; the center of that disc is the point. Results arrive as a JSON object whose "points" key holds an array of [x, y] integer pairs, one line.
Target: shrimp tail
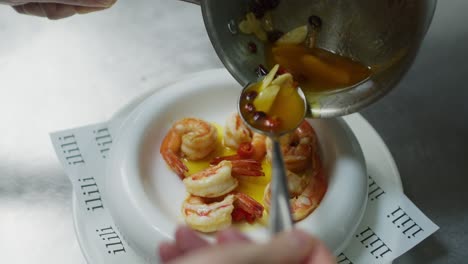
{"points": [[259, 146], [169, 147], [249, 206], [247, 168], [175, 163], [218, 160]]}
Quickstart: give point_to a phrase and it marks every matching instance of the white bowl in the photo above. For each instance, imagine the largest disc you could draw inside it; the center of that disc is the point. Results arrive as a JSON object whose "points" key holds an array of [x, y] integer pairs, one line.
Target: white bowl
{"points": [[145, 197]]}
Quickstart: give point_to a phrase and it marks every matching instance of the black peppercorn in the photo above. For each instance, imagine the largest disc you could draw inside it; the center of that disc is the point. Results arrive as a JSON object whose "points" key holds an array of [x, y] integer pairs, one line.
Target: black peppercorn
{"points": [[259, 116], [249, 107], [274, 35], [258, 9], [252, 47], [269, 4], [315, 22], [251, 95]]}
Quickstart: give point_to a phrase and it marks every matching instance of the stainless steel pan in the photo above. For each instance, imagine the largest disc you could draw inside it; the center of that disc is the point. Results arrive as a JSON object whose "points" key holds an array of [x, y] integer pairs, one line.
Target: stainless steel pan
{"points": [[383, 34]]}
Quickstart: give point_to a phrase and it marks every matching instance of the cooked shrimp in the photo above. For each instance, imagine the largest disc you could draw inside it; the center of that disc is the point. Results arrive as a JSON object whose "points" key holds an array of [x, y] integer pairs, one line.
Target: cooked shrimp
{"points": [[259, 146], [302, 204], [219, 180], [208, 217], [309, 199], [245, 207], [191, 138], [296, 183], [298, 148], [236, 132], [205, 217]]}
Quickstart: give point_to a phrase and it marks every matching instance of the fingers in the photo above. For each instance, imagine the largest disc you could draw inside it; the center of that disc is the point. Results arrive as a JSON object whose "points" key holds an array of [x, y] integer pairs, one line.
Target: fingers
{"points": [[231, 236], [187, 241], [54, 11], [57, 11], [87, 3], [290, 247], [33, 9], [51, 11], [86, 9], [168, 251], [320, 254]]}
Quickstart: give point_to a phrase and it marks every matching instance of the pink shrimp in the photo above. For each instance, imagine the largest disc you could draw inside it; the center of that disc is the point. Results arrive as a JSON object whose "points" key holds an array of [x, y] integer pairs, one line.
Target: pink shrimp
{"points": [[191, 138], [219, 180], [207, 216], [298, 148], [307, 193]]}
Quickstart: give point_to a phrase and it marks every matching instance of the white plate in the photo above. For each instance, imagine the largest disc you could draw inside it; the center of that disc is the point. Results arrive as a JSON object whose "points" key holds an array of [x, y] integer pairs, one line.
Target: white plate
{"points": [[144, 197], [378, 160]]}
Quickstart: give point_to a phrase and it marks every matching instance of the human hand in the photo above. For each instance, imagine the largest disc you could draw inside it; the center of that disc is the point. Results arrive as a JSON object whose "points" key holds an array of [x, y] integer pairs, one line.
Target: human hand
{"points": [[56, 9], [233, 247]]}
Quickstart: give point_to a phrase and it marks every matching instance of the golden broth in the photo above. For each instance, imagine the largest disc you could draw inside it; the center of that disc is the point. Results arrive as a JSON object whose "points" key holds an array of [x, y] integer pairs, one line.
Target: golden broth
{"points": [[288, 108], [317, 70], [252, 186]]}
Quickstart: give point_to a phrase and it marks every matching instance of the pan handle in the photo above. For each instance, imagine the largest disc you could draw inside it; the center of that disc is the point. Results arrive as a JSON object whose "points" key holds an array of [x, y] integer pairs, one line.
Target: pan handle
{"points": [[197, 2]]}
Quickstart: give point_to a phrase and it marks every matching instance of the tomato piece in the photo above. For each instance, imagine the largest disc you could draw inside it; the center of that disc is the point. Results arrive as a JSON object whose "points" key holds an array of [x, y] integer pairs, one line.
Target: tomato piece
{"points": [[250, 218], [217, 160], [238, 215], [245, 150], [282, 71]]}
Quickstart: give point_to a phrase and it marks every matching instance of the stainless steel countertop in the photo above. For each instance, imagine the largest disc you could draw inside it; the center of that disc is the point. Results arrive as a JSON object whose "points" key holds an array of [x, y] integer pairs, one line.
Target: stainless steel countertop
{"points": [[60, 74]]}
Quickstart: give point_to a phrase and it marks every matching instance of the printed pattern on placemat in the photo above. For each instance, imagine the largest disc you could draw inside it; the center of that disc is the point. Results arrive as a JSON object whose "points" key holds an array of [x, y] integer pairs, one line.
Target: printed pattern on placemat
{"points": [[373, 242], [403, 221], [91, 193], [112, 240], [71, 150], [343, 259], [375, 191], [103, 140]]}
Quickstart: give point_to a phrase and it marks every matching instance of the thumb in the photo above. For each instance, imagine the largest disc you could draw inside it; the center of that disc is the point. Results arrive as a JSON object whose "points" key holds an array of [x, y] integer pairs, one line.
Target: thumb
{"points": [[294, 246]]}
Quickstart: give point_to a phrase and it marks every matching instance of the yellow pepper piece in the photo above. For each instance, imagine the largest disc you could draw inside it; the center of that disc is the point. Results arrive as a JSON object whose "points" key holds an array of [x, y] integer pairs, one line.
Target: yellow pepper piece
{"points": [[266, 98], [269, 78]]}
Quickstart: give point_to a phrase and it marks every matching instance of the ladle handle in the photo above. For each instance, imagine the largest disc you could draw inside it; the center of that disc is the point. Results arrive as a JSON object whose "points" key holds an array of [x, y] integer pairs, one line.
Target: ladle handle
{"points": [[197, 2], [280, 212]]}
